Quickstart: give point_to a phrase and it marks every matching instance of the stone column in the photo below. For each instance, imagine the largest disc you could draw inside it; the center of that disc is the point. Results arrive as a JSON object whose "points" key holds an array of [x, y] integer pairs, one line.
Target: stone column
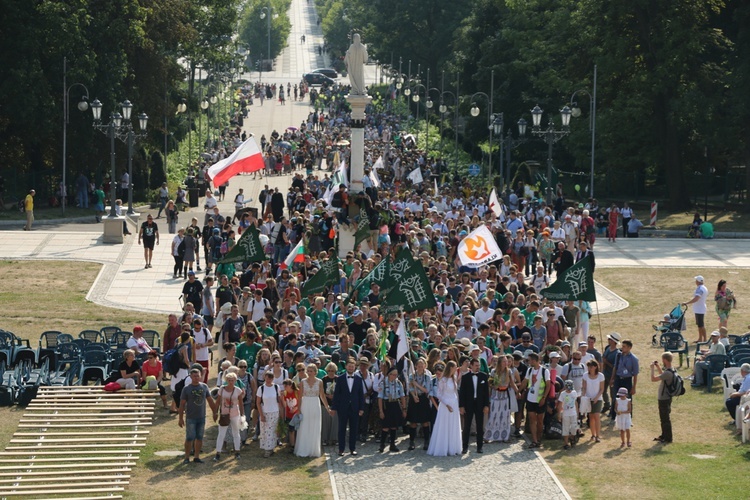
{"points": [[358, 104]]}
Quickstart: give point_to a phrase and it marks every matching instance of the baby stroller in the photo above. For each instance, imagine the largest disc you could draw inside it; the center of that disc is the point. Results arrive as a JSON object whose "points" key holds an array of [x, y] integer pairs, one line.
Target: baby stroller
{"points": [[673, 322]]}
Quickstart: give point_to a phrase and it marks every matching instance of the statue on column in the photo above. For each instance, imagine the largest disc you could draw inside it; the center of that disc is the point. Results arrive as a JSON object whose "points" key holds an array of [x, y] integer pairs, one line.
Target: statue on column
{"points": [[355, 59]]}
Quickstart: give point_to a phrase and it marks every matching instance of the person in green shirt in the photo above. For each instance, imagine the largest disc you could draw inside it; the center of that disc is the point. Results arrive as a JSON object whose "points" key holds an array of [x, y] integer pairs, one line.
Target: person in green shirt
{"points": [[263, 329], [248, 349], [475, 352], [331, 340], [531, 310], [484, 334], [505, 346], [319, 316]]}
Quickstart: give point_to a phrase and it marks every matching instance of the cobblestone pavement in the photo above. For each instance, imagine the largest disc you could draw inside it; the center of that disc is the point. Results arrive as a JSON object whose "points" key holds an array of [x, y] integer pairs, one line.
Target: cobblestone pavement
{"points": [[503, 470]]}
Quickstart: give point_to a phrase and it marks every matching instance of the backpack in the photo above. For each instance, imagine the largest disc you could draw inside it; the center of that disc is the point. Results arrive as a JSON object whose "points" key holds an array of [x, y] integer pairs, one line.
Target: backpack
{"points": [[172, 361], [181, 248], [224, 248], [21, 205], [677, 387]]}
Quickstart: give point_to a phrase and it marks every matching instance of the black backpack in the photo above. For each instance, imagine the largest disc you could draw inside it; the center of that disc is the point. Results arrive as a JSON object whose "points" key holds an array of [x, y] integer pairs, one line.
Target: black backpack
{"points": [[21, 205], [677, 387]]}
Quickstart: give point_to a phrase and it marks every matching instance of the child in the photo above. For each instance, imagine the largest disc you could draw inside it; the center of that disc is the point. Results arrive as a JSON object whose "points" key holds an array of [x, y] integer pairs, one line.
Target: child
{"points": [[291, 412], [567, 413], [623, 408]]}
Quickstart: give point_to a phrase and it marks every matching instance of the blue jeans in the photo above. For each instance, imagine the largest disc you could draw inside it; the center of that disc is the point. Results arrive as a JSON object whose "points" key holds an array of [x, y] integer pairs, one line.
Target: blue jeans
{"points": [[83, 199], [194, 428]]}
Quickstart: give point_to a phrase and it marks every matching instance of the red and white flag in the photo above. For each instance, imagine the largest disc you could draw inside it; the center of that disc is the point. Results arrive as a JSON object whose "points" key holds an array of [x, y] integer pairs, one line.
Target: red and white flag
{"points": [[495, 204], [246, 158], [296, 255]]}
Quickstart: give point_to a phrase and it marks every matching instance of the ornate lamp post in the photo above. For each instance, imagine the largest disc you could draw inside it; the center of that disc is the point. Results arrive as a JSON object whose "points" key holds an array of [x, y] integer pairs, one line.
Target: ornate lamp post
{"points": [[490, 116], [266, 13], [123, 131], [550, 135]]}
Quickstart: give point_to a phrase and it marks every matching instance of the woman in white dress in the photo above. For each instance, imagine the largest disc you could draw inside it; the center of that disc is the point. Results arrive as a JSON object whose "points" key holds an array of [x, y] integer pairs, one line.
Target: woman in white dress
{"points": [[446, 438], [308, 432]]}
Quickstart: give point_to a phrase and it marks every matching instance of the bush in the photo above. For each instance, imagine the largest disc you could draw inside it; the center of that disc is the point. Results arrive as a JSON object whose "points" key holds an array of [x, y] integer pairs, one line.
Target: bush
{"points": [[157, 176]]}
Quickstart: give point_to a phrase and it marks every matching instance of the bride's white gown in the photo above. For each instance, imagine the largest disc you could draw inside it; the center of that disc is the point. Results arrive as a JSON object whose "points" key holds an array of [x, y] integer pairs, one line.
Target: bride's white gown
{"points": [[446, 436], [308, 434]]}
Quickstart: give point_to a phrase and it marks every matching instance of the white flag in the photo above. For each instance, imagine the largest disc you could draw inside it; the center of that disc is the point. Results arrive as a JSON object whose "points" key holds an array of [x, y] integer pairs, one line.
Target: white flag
{"points": [[378, 164], [436, 188], [374, 178], [342, 174], [416, 176], [403, 341], [495, 204], [478, 248]]}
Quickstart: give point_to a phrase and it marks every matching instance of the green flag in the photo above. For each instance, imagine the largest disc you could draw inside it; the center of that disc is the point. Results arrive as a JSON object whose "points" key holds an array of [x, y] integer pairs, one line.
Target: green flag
{"points": [[576, 283], [363, 228], [247, 249], [378, 275], [408, 286], [327, 275]]}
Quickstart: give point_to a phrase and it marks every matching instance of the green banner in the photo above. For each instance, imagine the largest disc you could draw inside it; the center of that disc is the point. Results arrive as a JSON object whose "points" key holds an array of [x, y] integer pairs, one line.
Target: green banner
{"points": [[247, 249], [408, 286], [576, 283], [327, 275], [378, 275], [363, 228]]}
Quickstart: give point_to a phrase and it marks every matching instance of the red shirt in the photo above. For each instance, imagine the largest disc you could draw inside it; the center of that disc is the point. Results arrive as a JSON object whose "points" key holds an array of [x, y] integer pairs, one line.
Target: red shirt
{"points": [[147, 369]]}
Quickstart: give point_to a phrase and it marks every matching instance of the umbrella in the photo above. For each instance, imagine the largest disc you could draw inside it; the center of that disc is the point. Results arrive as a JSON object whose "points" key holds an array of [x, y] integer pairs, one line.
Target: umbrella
{"points": [[311, 140], [284, 144], [291, 128], [206, 156], [342, 142]]}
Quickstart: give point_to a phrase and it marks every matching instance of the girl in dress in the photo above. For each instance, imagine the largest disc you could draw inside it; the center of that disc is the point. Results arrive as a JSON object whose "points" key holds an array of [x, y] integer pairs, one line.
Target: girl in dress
{"points": [[593, 389], [291, 408], [308, 441], [446, 437], [501, 384], [419, 403], [392, 406], [623, 408]]}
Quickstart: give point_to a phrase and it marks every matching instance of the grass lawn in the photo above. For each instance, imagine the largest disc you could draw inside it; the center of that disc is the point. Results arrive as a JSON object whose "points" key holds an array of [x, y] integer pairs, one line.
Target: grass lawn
{"points": [[650, 470], [723, 220], [38, 296]]}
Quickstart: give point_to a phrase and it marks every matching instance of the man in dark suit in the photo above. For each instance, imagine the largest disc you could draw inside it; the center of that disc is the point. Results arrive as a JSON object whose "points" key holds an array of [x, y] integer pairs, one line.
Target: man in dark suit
{"points": [[349, 404], [583, 252], [562, 258], [474, 403]]}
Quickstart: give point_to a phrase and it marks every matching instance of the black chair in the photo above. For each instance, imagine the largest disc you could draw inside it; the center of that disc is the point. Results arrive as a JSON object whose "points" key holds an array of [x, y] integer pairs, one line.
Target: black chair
{"points": [[47, 344], [97, 346], [153, 339], [108, 331], [64, 338], [92, 335], [68, 357], [675, 343], [94, 366], [715, 364]]}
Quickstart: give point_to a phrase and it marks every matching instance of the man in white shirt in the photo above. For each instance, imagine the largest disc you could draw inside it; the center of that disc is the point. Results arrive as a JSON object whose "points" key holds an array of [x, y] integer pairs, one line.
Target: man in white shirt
{"points": [[699, 307], [305, 322], [467, 331], [257, 306], [311, 352], [136, 342], [484, 313], [203, 340]]}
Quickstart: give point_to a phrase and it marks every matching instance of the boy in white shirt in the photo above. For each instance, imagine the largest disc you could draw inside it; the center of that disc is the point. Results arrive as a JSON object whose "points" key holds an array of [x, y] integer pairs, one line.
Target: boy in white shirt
{"points": [[567, 413]]}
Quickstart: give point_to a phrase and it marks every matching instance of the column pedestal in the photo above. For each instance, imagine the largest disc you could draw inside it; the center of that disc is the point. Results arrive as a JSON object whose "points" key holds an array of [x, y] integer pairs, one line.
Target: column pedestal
{"points": [[113, 229], [357, 168]]}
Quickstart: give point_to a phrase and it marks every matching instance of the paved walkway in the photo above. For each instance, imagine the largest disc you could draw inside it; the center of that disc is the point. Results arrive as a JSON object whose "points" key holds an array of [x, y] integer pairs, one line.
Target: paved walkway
{"points": [[517, 472]]}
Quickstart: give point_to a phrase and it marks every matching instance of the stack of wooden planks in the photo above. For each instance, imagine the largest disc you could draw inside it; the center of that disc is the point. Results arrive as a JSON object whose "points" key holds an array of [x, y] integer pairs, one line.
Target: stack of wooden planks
{"points": [[76, 442]]}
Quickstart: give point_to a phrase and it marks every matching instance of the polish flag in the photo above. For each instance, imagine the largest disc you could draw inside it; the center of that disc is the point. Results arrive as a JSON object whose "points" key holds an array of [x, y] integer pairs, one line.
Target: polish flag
{"points": [[246, 158]]}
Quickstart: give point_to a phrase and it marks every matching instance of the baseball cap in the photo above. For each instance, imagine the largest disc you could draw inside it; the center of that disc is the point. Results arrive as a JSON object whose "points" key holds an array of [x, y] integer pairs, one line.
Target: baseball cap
{"points": [[554, 354], [137, 329], [699, 278]]}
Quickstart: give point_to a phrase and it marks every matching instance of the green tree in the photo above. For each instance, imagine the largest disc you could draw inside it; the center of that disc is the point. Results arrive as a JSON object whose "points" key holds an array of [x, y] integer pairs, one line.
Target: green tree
{"points": [[254, 30]]}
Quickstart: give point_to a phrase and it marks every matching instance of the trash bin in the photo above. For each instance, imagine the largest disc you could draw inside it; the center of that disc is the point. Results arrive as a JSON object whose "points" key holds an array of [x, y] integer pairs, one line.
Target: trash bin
{"points": [[193, 196]]}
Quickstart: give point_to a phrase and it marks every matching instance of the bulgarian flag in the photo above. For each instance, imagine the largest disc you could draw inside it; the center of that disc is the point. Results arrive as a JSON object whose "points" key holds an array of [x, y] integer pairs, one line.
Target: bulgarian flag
{"points": [[246, 158], [296, 255]]}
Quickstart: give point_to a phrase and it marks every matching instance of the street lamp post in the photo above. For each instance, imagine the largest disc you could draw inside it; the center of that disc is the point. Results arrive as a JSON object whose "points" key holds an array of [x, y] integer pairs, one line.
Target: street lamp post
{"points": [[550, 135], [123, 131], [576, 112], [509, 143], [475, 112], [182, 108], [266, 13], [83, 105], [205, 107]]}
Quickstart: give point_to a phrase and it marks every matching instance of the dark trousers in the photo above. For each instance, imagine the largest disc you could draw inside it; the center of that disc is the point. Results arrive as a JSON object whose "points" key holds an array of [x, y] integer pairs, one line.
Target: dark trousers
{"points": [[364, 421], [350, 417], [626, 382], [625, 221], [732, 404], [478, 414], [665, 408]]}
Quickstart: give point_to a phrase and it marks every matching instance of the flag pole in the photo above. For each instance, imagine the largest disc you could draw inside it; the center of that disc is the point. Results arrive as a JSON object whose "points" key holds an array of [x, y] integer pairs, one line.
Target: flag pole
{"points": [[599, 320]]}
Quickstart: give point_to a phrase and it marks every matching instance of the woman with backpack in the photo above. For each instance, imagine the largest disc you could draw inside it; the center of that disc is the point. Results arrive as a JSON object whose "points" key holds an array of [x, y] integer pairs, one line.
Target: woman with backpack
{"points": [[269, 402], [178, 253], [182, 364]]}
